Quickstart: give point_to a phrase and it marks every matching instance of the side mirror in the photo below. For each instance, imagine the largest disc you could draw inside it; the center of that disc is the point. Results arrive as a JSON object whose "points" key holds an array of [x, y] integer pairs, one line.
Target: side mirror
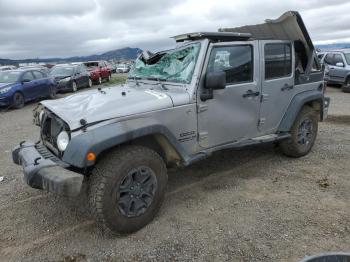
{"points": [[215, 80], [339, 64], [25, 80]]}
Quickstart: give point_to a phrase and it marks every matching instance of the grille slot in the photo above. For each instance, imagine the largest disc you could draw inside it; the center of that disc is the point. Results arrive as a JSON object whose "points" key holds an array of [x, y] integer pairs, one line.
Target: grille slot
{"points": [[46, 153]]}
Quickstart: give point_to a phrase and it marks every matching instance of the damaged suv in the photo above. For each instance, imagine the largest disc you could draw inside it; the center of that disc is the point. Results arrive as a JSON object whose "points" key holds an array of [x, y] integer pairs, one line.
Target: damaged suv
{"points": [[227, 89]]}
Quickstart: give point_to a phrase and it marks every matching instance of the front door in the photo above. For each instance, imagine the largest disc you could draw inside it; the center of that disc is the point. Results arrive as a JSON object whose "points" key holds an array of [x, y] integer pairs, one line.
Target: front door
{"points": [[232, 114], [276, 60]]}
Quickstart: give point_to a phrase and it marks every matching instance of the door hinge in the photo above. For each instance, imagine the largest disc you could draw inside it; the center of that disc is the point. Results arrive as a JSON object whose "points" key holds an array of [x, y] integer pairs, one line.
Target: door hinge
{"points": [[202, 108], [263, 97]]}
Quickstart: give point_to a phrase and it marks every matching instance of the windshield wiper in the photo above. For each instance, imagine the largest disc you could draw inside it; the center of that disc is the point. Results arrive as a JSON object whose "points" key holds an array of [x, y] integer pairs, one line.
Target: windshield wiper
{"points": [[156, 79]]}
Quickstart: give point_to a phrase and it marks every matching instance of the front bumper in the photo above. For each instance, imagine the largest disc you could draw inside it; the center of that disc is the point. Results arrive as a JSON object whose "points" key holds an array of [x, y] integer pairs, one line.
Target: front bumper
{"points": [[42, 170], [5, 101]]}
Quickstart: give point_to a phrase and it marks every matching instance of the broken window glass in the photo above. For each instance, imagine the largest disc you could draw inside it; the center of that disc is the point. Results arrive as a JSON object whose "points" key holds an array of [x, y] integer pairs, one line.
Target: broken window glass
{"points": [[175, 65]]}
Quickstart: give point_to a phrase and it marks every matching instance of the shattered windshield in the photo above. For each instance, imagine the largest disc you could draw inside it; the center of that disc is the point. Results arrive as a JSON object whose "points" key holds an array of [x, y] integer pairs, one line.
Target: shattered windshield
{"points": [[176, 65]]}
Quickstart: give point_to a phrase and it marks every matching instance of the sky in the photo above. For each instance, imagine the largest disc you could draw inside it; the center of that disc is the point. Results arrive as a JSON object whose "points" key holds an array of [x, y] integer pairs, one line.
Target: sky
{"points": [[63, 28]]}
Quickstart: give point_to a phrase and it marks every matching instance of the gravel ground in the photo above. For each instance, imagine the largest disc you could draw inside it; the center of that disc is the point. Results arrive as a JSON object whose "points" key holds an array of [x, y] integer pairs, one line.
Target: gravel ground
{"points": [[251, 204]]}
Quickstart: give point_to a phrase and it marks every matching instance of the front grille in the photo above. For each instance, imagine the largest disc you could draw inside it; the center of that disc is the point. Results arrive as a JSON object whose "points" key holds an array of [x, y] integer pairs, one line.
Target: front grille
{"points": [[46, 153], [51, 126]]}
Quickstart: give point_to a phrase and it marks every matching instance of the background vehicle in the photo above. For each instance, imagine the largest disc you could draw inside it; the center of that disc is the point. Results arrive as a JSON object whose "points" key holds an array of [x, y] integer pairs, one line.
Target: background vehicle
{"points": [[123, 68], [112, 67], [99, 70], [213, 91], [22, 85], [70, 77], [337, 68], [9, 67], [37, 67]]}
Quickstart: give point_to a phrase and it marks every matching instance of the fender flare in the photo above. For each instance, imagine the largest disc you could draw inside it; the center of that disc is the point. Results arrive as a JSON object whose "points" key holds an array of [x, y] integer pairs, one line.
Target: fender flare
{"points": [[108, 136], [296, 105]]}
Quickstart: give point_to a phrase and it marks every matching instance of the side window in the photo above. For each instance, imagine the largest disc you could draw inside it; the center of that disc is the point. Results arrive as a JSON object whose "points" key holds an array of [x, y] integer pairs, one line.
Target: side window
{"points": [[235, 61], [329, 59], [278, 60], [28, 76], [38, 75], [337, 59]]}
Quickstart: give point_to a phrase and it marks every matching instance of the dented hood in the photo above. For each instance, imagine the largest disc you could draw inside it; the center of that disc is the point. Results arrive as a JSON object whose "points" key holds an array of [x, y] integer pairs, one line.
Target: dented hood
{"points": [[108, 103], [289, 26]]}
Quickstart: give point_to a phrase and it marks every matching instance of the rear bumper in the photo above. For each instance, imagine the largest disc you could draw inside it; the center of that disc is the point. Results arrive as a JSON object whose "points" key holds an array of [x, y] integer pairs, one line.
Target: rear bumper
{"points": [[42, 170]]}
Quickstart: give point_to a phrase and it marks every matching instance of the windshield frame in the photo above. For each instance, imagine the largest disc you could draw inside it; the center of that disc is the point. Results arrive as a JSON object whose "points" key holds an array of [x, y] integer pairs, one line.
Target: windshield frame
{"points": [[173, 81]]}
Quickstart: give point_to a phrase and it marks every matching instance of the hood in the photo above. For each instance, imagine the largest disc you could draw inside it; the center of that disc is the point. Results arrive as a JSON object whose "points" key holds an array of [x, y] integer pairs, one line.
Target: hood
{"points": [[109, 103], [2, 85]]}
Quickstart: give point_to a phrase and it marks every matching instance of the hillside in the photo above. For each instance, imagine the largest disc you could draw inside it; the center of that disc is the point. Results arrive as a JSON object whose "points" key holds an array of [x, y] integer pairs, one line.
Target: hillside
{"points": [[127, 53]]}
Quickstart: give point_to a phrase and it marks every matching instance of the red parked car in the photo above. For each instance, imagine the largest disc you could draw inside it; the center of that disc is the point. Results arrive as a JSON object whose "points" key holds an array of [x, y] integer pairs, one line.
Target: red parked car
{"points": [[99, 70]]}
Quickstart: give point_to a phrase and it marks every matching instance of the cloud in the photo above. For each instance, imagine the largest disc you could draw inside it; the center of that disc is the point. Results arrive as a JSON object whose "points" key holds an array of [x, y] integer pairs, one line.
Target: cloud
{"points": [[62, 28]]}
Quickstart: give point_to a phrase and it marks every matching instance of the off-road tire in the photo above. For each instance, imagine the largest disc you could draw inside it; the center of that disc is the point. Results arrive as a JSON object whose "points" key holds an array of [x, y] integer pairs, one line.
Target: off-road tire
{"points": [[18, 100], [104, 188], [292, 146]]}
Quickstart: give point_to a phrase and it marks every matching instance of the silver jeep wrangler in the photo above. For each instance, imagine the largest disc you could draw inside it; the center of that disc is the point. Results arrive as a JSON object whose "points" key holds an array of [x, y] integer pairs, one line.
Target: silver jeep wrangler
{"points": [[227, 89]]}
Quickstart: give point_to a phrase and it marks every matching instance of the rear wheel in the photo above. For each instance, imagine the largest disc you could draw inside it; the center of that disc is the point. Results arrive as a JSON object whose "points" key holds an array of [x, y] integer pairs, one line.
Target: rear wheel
{"points": [[303, 134], [127, 188], [346, 86], [89, 83], [74, 87], [18, 100], [99, 80]]}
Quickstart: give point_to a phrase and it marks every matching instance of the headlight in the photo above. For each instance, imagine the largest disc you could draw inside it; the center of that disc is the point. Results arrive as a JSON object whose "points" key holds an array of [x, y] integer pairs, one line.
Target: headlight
{"points": [[41, 115], [62, 141], [5, 90], [66, 79]]}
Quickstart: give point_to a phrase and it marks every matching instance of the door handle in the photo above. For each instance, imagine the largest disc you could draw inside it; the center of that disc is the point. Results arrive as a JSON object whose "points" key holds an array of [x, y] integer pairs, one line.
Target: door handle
{"points": [[250, 93], [287, 87]]}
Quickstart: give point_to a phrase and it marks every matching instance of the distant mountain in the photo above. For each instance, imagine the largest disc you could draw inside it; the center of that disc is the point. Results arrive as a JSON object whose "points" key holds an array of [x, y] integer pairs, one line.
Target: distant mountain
{"points": [[333, 46], [127, 53]]}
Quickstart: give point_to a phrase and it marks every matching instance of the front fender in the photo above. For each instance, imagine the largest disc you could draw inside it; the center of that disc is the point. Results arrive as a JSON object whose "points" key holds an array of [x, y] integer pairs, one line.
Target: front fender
{"points": [[102, 138]]}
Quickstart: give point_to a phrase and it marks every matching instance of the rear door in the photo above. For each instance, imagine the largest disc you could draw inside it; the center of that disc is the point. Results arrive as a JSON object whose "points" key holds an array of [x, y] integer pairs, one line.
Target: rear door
{"points": [[232, 114], [42, 83], [277, 62]]}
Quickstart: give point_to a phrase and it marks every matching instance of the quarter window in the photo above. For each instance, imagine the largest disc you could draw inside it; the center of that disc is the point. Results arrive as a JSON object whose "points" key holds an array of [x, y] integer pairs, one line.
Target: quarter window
{"points": [[278, 60], [235, 61]]}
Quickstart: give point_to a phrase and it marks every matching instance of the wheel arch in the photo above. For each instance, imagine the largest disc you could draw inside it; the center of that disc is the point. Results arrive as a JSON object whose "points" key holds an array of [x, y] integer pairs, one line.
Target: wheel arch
{"points": [[314, 99], [102, 139]]}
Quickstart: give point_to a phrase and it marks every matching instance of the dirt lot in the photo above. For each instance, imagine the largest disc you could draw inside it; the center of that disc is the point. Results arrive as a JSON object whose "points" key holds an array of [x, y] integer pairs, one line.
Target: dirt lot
{"points": [[240, 205]]}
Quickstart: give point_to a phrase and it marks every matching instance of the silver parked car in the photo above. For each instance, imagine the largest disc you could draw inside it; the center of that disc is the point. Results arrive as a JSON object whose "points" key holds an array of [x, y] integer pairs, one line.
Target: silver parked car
{"points": [[219, 90], [337, 68]]}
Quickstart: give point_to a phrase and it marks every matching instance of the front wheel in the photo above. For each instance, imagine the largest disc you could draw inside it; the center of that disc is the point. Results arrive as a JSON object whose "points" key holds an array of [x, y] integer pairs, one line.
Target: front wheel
{"points": [[18, 100], [74, 87], [303, 134], [127, 188], [53, 93], [89, 83]]}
